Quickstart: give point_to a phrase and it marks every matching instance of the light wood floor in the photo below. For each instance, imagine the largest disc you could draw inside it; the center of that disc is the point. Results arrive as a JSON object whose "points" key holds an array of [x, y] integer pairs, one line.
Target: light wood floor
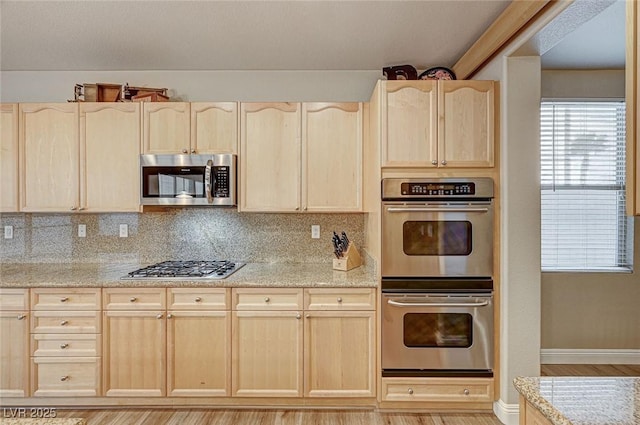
{"points": [[271, 417], [589, 370]]}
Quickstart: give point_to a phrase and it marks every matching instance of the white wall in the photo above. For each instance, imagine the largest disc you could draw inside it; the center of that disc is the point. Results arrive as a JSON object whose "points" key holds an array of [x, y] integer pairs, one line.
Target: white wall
{"points": [[198, 86]]}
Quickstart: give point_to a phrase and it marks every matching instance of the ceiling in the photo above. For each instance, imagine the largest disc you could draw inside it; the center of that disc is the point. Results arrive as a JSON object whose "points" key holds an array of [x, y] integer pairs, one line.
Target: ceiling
{"points": [[93, 35]]}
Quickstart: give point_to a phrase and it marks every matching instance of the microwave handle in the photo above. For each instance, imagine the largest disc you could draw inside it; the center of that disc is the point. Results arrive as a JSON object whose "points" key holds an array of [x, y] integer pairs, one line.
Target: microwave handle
{"points": [[444, 210], [399, 304], [208, 186]]}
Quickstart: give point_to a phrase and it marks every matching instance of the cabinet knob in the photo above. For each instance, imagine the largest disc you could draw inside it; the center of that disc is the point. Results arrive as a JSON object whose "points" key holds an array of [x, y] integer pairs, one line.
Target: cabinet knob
{"points": [[169, 316], [444, 162], [81, 209], [434, 162], [267, 299], [466, 392], [298, 316], [297, 208], [339, 299], [198, 299], [63, 346], [159, 316], [65, 378], [21, 316], [72, 208], [307, 316], [193, 151], [64, 299], [133, 299], [185, 151], [63, 323], [410, 391]]}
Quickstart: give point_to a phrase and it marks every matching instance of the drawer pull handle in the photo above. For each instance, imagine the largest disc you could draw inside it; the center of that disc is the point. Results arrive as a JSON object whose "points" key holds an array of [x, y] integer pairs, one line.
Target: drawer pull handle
{"points": [[63, 323], [434, 162], [410, 391], [133, 299], [65, 378], [64, 299], [339, 299], [267, 299], [198, 299], [298, 316], [63, 346], [444, 162], [21, 316], [466, 392]]}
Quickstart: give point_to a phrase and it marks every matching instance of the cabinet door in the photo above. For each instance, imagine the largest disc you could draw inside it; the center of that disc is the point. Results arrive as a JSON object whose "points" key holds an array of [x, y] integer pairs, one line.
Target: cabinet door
{"points": [[134, 353], [267, 354], [339, 350], [409, 123], [14, 354], [9, 157], [466, 113], [332, 156], [214, 127], [49, 157], [109, 157], [632, 95], [165, 127], [199, 361], [270, 157]]}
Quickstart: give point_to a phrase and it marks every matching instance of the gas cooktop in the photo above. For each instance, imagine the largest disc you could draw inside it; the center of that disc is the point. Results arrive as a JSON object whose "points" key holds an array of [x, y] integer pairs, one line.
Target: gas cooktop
{"points": [[185, 270]]}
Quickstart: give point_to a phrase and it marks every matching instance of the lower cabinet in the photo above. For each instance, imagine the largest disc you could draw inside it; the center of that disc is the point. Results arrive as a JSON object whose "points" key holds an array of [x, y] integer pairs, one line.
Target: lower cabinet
{"points": [[14, 343], [66, 376], [438, 389]]}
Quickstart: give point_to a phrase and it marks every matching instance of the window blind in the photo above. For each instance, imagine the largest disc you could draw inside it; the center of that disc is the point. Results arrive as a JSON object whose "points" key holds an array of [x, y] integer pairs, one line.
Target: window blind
{"points": [[582, 173]]}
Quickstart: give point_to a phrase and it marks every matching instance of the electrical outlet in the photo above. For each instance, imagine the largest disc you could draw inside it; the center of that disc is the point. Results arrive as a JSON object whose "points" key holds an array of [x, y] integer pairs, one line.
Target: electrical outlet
{"points": [[82, 230], [315, 231], [8, 232], [124, 231]]}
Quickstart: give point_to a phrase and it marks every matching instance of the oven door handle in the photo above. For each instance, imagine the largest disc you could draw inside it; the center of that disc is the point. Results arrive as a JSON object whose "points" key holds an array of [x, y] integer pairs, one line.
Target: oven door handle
{"points": [[399, 304], [444, 210]]}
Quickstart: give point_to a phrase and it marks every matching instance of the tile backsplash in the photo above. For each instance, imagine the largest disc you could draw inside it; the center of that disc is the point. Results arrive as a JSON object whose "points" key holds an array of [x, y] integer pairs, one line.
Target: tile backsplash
{"points": [[180, 234]]}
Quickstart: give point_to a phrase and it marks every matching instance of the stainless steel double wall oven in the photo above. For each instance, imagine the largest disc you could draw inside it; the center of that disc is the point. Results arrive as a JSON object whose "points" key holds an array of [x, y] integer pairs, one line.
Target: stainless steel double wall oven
{"points": [[437, 277]]}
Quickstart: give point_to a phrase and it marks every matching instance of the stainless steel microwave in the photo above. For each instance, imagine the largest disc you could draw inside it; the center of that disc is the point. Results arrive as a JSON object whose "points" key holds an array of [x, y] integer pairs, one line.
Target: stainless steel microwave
{"points": [[189, 180]]}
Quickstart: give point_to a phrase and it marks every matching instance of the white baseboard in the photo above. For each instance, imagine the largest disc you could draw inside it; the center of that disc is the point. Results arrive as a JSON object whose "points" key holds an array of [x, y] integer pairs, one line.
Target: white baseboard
{"points": [[589, 356], [508, 414]]}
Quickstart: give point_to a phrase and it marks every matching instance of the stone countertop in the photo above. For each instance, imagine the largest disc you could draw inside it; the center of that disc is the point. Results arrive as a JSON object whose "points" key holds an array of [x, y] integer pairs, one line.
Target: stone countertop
{"points": [[584, 400], [287, 275]]}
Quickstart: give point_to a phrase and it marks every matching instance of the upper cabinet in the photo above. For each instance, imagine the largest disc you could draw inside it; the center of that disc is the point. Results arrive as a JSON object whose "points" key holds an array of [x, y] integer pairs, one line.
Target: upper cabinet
{"points": [[632, 68], [49, 157], [9, 157], [190, 128], [214, 127], [301, 157], [270, 156], [79, 157], [437, 123]]}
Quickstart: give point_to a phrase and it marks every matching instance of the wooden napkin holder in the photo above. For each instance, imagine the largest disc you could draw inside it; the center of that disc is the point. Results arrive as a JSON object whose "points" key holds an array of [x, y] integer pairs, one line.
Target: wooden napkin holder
{"points": [[350, 259]]}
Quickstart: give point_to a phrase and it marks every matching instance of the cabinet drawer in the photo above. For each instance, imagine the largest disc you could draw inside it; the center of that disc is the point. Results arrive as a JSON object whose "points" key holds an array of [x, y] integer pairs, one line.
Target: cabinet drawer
{"points": [[65, 299], [134, 298], [14, 299], [437, 389], [339, 299], [267, 299], [199, 299], [66, 376], [60, 345], [65, 322]]}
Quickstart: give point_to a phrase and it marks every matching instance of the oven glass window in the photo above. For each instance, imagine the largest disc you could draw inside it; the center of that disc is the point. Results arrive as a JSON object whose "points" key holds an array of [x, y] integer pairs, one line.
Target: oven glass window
{"points": [[170, 182], [436, 237], [438, 330]]}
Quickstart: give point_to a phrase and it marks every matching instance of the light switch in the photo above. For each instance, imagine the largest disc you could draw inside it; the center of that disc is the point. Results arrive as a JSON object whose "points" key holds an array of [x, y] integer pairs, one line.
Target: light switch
{"points": [[315, 231], [82, 230], [8, 232], [124, 231]]}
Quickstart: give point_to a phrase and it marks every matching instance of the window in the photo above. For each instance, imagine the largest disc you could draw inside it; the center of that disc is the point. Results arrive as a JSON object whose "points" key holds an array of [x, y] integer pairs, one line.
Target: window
{"points": [[584, 227]]}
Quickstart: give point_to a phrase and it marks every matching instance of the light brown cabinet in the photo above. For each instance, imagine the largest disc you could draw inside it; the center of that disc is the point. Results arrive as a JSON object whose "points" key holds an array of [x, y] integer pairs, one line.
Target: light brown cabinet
{"points": [[14, 346], [134, 342], [214, 127], [9, 157], [529, 415], [166, 128], [436, 124], [79, 157], [434, 390], [632, 68], [65, 342], [199, 342], [301, 157]]}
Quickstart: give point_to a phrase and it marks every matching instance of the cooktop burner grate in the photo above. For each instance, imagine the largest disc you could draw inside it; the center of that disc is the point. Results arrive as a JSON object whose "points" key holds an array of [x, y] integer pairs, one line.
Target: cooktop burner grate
{"points": [[185, 270]]}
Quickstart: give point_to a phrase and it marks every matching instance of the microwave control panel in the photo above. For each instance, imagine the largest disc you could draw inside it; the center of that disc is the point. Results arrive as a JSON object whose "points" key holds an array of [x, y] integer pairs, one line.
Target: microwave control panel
{"points": [[221, 187], [447, 189]]}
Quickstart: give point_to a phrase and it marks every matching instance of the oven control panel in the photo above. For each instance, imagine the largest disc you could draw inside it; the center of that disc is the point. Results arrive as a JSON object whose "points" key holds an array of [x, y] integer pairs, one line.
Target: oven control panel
{"points": [[430, 189]]}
